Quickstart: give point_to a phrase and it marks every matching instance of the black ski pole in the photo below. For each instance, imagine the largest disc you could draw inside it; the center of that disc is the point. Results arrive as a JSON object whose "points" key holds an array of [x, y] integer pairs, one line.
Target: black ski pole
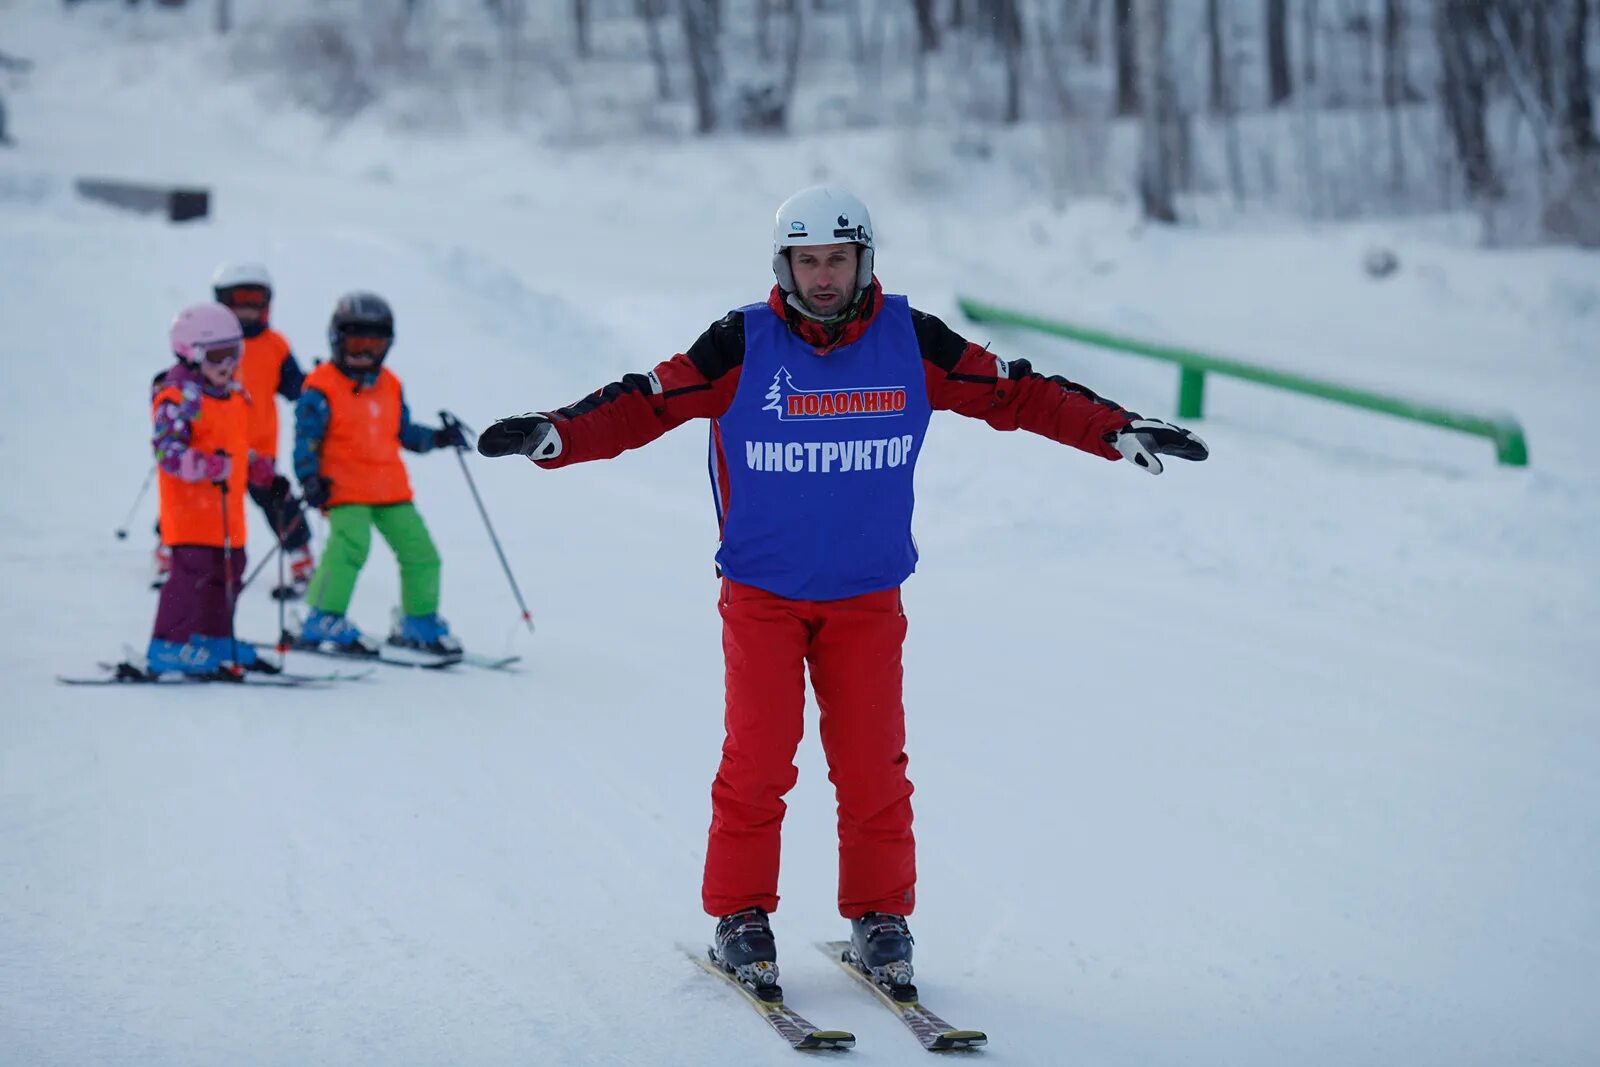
{"points": [[274, 550], [527, 616], [122, 531]]}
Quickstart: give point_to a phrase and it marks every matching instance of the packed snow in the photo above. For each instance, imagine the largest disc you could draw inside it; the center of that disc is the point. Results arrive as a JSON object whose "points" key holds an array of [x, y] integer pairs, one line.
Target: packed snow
{"points": [[1292, 756]]}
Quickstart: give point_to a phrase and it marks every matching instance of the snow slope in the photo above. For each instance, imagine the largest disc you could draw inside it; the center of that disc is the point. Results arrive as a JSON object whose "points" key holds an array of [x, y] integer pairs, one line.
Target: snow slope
{"points": [[1289, 757]]}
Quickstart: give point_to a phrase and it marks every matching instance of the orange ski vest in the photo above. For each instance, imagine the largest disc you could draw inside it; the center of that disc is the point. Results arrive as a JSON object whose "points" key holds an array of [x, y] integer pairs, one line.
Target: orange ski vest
{"points": [[259, 374], [191, 512], [361, 453]]}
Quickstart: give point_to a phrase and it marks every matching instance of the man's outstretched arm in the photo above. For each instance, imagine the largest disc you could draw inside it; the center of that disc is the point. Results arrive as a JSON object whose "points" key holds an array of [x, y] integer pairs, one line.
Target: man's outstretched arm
{"points": [[698, 384], [1010, 395]]}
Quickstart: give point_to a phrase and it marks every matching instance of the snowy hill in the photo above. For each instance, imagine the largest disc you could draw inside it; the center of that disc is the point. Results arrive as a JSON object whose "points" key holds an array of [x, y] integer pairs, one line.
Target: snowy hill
{"points": [[1290, 757]]}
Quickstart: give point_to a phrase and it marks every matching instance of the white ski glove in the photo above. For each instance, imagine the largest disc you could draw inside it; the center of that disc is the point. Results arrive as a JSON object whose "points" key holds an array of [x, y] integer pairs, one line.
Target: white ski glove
{"points": [[1143, 441]]}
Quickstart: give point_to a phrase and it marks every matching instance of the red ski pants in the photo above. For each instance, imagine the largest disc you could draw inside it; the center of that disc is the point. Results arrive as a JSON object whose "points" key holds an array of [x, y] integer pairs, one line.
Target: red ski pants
{"points": [[852, 648]]}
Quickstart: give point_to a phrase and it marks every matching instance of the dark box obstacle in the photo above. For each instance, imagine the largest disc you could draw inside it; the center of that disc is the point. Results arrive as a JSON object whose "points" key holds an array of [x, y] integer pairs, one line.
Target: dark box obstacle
{"points": [[176, 203]]}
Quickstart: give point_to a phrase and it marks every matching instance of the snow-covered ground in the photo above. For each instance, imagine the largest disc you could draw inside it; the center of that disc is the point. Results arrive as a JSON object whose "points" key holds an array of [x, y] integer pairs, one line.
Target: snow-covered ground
{"points": [[1290, 757]]}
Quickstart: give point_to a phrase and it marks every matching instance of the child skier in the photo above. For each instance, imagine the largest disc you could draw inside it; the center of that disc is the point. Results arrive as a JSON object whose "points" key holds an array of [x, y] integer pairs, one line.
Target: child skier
{"points": [[201, 430], [267, 367], [350, 425]]}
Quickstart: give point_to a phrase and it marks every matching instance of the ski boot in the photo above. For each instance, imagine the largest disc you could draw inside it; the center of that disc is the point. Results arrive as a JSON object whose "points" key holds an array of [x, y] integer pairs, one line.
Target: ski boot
{"points": [[301, 568], [162, 566], [745, 949], [425, 633], [329, 632], [239, 655], [880, 945], [196, 656]]}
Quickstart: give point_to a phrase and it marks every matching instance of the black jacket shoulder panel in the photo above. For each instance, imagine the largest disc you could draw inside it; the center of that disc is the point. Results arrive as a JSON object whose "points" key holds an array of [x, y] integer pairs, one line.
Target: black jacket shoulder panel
{"points": [[721, 348], [940, 345]]}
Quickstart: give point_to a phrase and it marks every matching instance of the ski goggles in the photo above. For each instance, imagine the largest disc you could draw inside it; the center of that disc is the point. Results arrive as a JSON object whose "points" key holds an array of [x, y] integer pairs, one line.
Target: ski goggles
{"points": [[364, 345], [247, 296], [228, 353]]}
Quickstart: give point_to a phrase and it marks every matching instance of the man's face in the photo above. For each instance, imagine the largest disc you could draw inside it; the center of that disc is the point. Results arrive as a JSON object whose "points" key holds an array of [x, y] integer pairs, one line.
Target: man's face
{"points": [[825, 276]]}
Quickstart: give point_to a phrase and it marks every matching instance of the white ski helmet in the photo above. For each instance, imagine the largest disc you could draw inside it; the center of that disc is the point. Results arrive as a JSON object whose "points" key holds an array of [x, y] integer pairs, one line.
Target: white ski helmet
{"points": [[821, 215], [237, 275]]}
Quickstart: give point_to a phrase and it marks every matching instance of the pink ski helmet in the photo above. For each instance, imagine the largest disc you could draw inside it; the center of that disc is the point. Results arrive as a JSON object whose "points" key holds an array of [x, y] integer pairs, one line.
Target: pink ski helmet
{"points": [[202, 328]]}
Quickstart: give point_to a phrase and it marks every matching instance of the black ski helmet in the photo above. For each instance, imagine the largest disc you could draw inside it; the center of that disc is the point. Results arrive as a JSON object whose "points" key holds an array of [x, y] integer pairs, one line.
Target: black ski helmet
{"points": [[359, 314]]}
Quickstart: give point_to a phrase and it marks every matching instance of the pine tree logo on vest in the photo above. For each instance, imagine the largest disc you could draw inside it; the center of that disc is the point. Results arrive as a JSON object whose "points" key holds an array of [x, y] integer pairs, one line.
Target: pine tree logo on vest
{"points": [[793, 403]]}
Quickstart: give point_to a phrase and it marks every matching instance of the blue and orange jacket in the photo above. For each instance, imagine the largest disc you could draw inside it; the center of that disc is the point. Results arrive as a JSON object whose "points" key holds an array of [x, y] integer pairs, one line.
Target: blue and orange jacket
{"points": [[350, 430]]}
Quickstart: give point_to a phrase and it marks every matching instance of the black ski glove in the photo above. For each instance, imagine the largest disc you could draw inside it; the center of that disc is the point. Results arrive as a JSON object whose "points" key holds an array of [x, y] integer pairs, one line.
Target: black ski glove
{"points": [[449, 437], [315, 491], [278, 489], [530, 435], [1143, 441]]}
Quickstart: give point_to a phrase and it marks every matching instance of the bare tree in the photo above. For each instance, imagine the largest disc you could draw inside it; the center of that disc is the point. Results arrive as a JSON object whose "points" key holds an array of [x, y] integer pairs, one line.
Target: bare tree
{"points": [[1052, 56], [1127, 58], [1089, 32], [1008, 28], [580, 27], [1577, 108], [927, 27], [651, 11], [1280, 81], [1308, 41], [699, 19], [1461, 29], [1219, 96], [1158, 160], [1397, 88]]}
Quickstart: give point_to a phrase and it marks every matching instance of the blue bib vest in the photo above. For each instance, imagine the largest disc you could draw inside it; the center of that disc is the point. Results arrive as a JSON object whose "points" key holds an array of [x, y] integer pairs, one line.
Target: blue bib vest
{"points": [[820, 452]]}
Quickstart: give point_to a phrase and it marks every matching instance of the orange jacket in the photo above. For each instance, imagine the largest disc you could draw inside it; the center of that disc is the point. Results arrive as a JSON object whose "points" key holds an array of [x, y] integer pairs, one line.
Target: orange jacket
{"points": [[191, 512], [260, 371], [361, 451]]}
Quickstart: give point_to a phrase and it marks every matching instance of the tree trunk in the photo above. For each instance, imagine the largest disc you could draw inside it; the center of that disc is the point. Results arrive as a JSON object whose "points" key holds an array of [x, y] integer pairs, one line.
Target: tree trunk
{"points": [[580, 27], [1009, 29], [1280, 82], [1157, 127], [1308, 40], [1577, 105], [927, 27], [1216, 58], [1127, 59], [791, 58], [1089, 32], [1544, 46], [705, 60], [1462, 31], [1397, 89], [650, 11]]}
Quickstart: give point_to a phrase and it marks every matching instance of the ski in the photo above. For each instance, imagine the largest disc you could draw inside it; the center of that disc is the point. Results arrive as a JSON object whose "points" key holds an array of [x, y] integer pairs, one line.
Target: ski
{"points": [[392, 656], [423, 662], [789, 1024], [125, 673], [934, 1033]]}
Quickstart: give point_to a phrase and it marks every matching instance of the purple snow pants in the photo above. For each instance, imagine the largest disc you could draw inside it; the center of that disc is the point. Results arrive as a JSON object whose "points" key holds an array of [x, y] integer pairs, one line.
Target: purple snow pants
{"points": [[195, 599]]}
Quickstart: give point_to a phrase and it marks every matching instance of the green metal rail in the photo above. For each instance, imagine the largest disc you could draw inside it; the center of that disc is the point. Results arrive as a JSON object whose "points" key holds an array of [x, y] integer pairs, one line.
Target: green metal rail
{"points": [[1511, 446]]}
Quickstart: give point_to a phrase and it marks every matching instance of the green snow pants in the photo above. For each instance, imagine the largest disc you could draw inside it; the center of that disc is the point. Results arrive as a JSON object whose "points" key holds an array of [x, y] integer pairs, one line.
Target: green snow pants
{"points": [[349, 541]]}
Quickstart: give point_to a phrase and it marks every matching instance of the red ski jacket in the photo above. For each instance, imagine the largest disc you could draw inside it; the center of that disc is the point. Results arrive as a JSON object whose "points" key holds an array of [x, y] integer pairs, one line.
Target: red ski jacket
{"points": [[962, 377]]}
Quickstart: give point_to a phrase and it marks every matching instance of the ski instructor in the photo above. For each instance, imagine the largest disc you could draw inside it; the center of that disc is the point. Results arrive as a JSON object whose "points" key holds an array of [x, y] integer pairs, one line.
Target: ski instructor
{"points": [[819, 398]]}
